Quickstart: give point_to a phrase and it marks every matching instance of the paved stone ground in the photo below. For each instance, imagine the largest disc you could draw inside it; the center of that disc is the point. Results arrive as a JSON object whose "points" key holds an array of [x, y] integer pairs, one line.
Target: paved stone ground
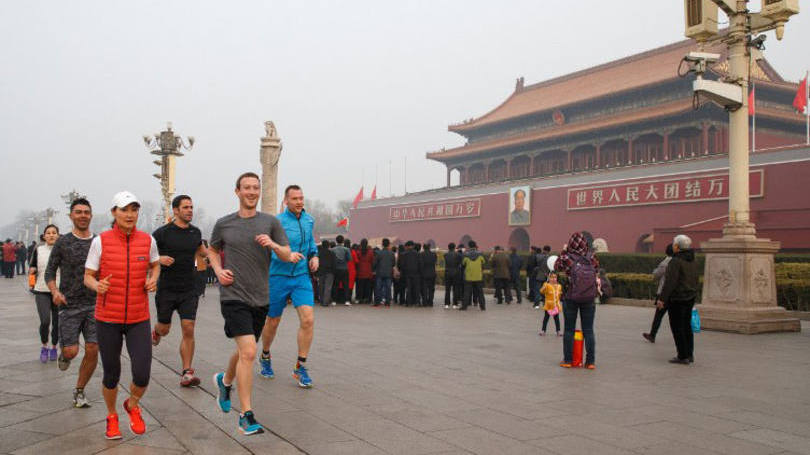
{"points": [[419, 381]]}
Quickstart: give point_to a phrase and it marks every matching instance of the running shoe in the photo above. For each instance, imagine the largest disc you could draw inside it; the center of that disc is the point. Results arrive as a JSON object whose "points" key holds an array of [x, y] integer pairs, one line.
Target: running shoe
{"points": [[79, 400], [155, 338], [248, 424], [267, 367], [224, 394], [649, 337], [136, 423], [188, 379], [590, 366], [62, 362], [347, 303], [565, 364], [447, 307], [112, 427], [52, 354], [43, 355], [302, 376]]}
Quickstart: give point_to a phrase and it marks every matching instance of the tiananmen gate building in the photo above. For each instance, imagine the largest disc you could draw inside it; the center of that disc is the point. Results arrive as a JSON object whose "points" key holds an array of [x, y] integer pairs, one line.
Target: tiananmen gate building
{"points": [[616, 150]]}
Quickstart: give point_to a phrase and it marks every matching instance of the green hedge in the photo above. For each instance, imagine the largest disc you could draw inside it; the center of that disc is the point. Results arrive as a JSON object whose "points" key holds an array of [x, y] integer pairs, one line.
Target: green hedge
{"points": [[646, 263], [792, 294]]}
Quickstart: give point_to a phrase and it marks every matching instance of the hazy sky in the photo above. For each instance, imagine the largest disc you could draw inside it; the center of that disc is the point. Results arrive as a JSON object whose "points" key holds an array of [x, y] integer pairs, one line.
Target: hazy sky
{"points": [[351, 85]]}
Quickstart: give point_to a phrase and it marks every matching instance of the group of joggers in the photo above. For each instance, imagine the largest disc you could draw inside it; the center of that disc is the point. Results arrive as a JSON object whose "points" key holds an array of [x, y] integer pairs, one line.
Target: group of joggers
{"points": [[97, 286]]}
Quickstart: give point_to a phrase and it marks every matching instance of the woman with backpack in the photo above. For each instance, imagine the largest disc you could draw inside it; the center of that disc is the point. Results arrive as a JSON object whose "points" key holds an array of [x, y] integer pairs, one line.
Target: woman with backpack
{"points": [[579, 264]]}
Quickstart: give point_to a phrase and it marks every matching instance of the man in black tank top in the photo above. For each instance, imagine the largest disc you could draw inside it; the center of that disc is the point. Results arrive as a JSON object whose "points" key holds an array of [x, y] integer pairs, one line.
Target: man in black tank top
{"points": [[181, 251]]}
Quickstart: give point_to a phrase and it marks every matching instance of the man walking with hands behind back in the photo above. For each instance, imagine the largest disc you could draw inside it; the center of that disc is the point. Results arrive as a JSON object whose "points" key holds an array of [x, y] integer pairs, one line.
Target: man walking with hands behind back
{"points": [[246, 237]]}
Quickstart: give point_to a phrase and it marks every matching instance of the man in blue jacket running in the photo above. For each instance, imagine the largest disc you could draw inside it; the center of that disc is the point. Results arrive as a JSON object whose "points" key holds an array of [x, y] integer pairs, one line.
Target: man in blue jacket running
{"points": [[290, 281]]}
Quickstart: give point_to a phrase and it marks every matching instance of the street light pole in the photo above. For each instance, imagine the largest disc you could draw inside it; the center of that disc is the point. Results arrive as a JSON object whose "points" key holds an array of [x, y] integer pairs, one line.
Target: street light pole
{"points": [[739, 283], [167, 146]]}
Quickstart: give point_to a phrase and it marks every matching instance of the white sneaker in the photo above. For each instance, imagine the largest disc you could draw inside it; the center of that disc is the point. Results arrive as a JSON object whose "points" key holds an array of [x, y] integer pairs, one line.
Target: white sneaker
{"points": [[347, 303], [333, 303], [447, 307]]}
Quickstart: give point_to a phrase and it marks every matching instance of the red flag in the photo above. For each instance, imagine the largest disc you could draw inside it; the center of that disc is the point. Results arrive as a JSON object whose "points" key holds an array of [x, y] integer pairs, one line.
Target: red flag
{"points": [[374, 193], [357, 198], [800, 101], [751, 101], [343, 222]]}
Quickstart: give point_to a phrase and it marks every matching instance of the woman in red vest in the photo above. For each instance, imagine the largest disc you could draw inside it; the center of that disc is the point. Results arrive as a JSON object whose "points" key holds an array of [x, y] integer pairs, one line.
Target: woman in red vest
{"points": [[122, 267]]}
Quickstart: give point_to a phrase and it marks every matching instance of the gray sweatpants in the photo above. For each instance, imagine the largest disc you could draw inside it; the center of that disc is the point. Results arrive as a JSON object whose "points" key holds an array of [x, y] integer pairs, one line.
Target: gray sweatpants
{"points": [[48, 317]]}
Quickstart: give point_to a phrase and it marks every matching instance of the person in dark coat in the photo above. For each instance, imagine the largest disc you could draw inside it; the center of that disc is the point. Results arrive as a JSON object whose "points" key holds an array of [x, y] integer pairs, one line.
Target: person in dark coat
{"points": [[501, 275], [384, 261], [408, 264], [678, 296], [453, 283], [427, 272], [515, 266], [399, 283], [531, 263], [326, 273]]}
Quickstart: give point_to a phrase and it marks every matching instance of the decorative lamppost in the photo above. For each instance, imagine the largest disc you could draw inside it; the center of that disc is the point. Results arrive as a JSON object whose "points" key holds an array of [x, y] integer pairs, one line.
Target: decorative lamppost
{"points": [[739, 286], [72, 196], [167, 146]]}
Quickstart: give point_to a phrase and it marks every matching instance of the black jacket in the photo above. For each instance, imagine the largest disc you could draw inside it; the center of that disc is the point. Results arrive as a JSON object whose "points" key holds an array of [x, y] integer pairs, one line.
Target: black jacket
{"points": [[384, 264], [408, 263], [515, 264], [326, 261], [427, 264], [531, 263], [452, 264], [681, 279]]}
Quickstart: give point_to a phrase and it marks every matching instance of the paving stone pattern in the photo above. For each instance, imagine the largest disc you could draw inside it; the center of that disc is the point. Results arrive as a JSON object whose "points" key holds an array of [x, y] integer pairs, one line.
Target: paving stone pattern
{"points": [[430, 381]]}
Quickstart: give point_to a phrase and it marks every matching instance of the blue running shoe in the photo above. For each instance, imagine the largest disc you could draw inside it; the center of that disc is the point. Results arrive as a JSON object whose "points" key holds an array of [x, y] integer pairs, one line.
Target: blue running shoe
{"points": [[248, 424], [224, 395], [302, 376], [267, 367]]}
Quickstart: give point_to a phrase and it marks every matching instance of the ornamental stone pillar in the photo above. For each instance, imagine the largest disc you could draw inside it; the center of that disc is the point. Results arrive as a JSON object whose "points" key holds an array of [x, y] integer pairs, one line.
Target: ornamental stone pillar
{"points": [[269, 154]]}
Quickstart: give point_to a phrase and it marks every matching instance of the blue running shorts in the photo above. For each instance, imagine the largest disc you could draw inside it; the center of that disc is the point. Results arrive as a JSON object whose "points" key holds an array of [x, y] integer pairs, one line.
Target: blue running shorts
{"points": [[296, 288]]}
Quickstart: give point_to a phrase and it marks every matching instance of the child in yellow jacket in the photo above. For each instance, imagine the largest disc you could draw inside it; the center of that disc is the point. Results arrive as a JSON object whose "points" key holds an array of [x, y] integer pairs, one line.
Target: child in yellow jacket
{"points": [[551, 291]]}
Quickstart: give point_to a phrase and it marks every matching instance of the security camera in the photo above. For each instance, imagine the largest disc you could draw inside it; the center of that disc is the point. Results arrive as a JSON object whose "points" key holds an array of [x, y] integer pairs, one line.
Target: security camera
{"points": [[757, 43], [727, 95], [698, 57]]}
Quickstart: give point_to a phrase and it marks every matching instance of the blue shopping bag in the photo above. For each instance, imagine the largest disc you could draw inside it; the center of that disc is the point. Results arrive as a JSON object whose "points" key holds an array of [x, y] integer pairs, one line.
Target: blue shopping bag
{"points": [[695, 321]]}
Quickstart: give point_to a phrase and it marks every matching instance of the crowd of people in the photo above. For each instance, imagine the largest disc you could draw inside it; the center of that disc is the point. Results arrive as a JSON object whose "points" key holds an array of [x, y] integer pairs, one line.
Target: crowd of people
{"points": [[96, 286], [14, 257]]}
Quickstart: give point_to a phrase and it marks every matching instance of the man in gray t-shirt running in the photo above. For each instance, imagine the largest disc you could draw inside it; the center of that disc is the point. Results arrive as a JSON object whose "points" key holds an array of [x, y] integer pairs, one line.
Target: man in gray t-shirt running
{"points": [[246, 238]]}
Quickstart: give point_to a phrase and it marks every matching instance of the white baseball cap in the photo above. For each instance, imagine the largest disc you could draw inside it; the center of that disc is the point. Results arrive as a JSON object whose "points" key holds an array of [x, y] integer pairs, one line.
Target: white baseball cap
{"points": [[123, 199]]}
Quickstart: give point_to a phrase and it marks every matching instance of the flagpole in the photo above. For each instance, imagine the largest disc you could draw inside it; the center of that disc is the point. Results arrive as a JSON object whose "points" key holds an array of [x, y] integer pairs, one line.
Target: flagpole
{"points": [[807, 106], [390, 178]]}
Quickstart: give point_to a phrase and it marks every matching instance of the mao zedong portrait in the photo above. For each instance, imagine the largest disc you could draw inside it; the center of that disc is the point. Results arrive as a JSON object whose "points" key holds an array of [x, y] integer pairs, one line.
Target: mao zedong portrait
{"points": [[519, 215]]}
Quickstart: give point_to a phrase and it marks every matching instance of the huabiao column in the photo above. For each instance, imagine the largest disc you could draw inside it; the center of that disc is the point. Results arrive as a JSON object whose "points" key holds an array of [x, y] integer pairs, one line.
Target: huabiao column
{"points": [[270, 152]]}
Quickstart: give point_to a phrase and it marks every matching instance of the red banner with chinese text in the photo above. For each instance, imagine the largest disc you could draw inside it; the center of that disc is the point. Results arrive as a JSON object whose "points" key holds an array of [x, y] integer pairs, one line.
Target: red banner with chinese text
{"points": [[670, 191], [466, 208]]}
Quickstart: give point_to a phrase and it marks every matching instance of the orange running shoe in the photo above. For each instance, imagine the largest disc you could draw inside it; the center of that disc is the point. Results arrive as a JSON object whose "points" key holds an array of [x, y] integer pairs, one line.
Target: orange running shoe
{"points": [[590, 366], [136, 423], [565, 364], [112, 427]]}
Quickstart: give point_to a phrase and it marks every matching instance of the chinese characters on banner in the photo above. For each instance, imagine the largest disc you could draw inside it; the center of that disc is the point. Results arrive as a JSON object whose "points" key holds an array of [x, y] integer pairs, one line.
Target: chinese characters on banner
{"points": [[677, 190], [465, 208]]}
